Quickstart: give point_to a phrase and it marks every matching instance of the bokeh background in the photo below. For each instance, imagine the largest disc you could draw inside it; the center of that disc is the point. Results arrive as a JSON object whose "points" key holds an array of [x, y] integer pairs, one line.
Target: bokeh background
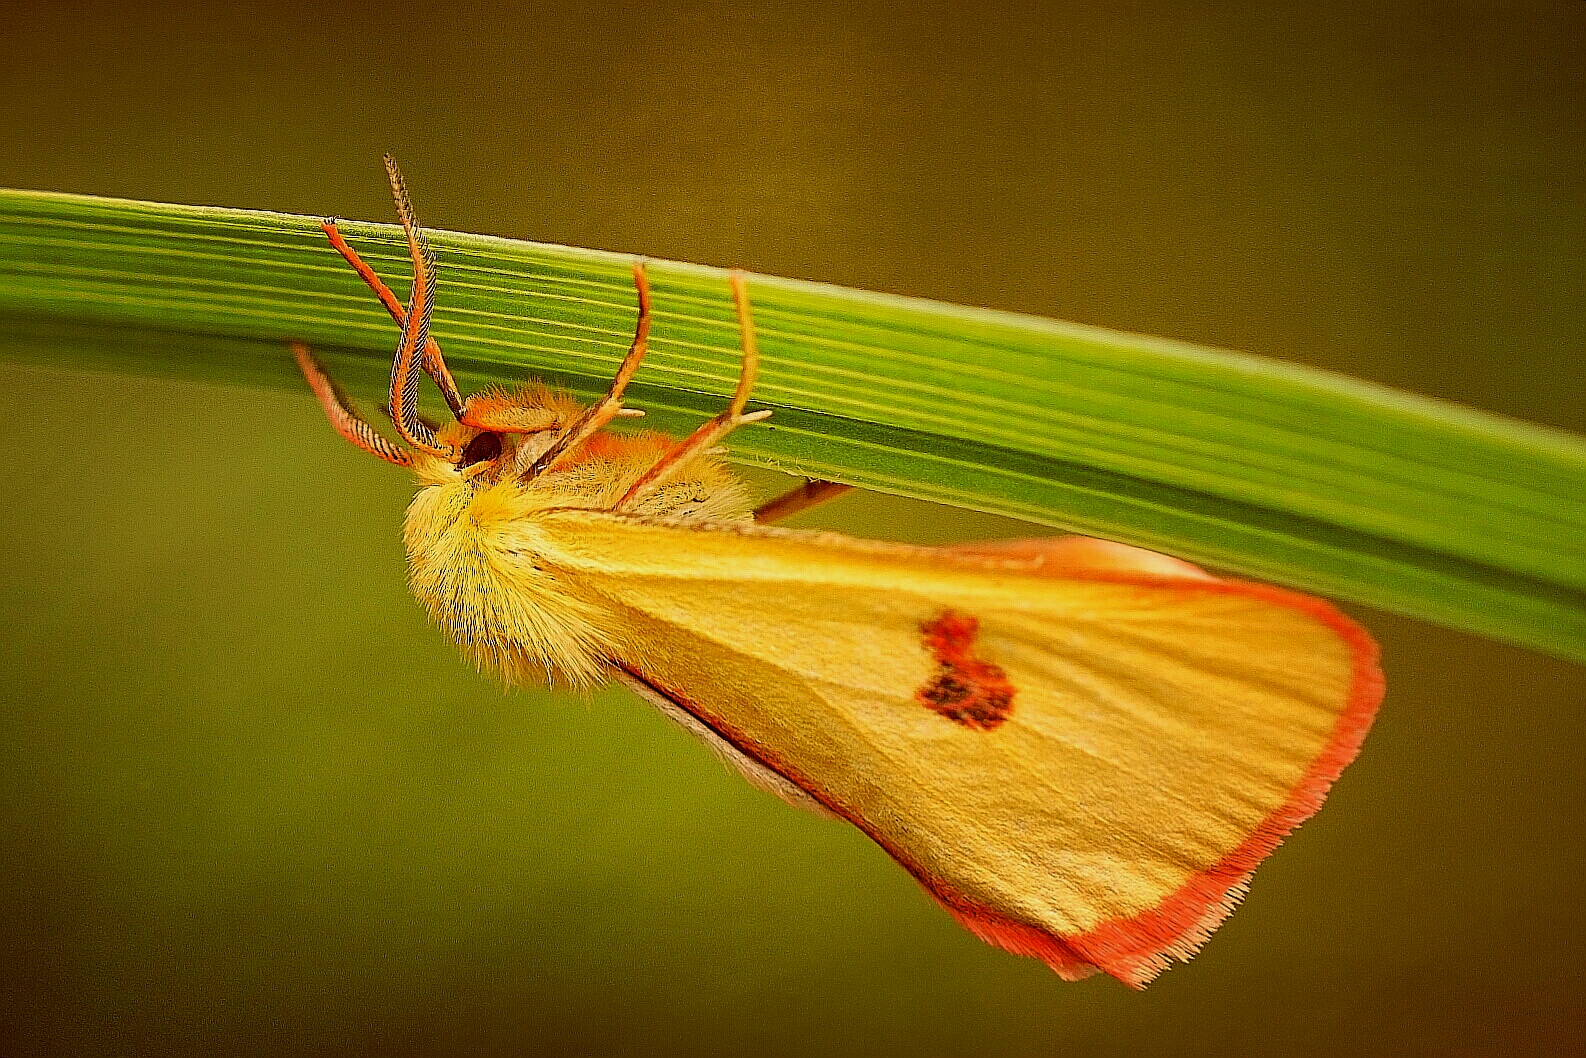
{"points": [[251, 804]]}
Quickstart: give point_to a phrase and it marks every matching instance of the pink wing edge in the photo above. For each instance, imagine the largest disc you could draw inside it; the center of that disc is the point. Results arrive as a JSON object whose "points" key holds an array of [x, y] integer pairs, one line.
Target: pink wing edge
{"points": [[1138, 948]]}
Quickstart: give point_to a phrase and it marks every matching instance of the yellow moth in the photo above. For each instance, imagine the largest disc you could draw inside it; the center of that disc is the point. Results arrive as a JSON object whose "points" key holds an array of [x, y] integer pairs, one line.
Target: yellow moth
{"points": [[1081, 749]]}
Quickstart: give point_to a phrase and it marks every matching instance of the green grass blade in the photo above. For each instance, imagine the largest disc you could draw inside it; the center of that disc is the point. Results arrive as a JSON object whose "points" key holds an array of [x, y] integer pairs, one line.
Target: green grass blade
{"points": [[1280, 473]]}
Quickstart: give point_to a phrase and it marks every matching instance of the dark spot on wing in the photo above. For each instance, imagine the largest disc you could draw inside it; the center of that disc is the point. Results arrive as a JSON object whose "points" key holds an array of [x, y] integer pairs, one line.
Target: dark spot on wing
{"points": [[966, 689]]}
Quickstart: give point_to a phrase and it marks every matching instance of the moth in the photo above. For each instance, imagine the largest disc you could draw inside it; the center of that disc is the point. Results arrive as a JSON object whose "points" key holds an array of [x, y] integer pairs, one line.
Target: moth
{"points": [[1081, 749]]}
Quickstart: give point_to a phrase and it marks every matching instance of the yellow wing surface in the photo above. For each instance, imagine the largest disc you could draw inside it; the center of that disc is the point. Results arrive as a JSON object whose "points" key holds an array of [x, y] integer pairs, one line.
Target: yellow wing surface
{"points": [[1082, 753]]}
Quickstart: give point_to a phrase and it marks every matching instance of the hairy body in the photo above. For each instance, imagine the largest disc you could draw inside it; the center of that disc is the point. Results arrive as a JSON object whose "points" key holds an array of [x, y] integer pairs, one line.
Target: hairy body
{"points": [[474, 542]]}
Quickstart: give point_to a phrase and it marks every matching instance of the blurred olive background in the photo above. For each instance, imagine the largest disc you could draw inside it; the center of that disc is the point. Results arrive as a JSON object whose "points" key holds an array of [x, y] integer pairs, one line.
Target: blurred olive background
{"points": [[251, 804]]}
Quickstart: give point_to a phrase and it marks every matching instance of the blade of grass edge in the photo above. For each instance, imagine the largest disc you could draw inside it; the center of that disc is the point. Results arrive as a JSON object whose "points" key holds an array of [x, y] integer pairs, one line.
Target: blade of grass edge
{"points": [[1273, 471]]}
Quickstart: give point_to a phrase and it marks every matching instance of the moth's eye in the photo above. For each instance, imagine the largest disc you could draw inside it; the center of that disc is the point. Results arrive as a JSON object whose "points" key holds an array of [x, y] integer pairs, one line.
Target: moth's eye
{"points": [[483, 447]]}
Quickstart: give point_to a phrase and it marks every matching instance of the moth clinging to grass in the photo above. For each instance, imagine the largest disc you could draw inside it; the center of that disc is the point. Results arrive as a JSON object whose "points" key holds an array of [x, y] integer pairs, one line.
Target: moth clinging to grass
{"points": [[1081, 749]]}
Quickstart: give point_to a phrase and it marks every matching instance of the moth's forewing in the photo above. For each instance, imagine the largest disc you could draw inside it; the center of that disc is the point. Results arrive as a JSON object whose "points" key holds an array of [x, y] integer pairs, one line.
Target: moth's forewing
{"points": [[1088, 774]]}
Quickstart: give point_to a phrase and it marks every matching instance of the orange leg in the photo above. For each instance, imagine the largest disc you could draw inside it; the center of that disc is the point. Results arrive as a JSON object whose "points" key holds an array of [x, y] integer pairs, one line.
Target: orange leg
{"points": [[339, 410], [713, 431], [812, 493], [610, 406]]}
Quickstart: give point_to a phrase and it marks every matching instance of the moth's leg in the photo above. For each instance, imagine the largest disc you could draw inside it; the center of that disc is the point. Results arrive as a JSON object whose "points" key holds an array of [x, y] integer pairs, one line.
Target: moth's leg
{"points": [[713, 431], [339, 410], [610, 406], [433, 363], [407, 365], [812, 493]]}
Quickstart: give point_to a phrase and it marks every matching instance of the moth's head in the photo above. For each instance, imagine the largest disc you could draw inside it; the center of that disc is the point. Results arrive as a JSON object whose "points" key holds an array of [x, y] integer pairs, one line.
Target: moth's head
{"points": [[494, 433], [499, 433], [486, 456]]}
